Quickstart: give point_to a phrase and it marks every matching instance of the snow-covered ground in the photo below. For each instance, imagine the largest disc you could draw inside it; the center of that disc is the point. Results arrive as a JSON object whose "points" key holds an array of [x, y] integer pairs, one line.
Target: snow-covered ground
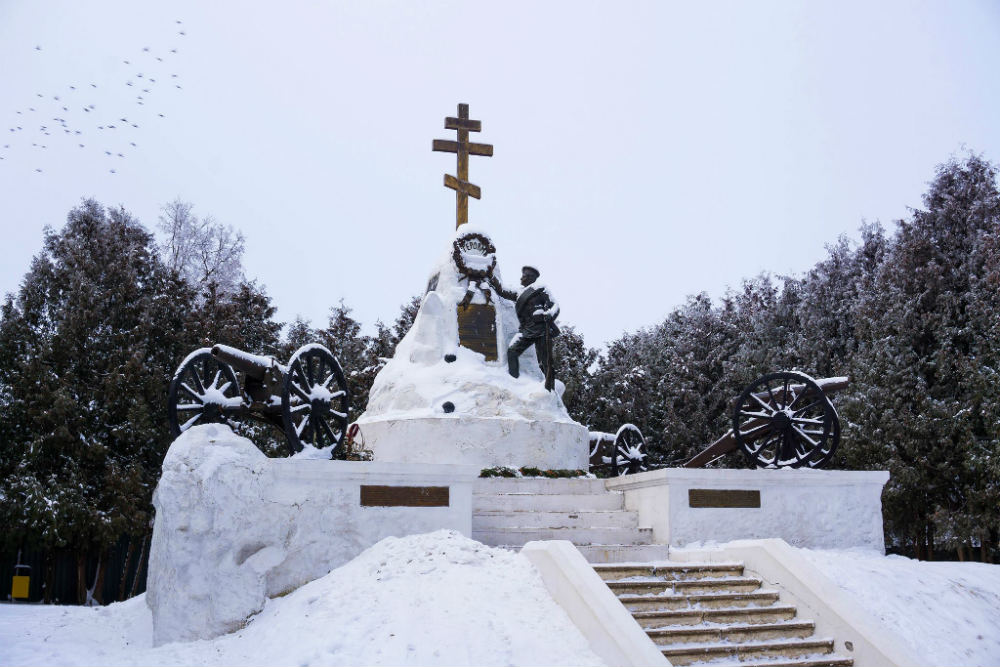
{"points": [[948, 613], [442, 599], [433, 599]]}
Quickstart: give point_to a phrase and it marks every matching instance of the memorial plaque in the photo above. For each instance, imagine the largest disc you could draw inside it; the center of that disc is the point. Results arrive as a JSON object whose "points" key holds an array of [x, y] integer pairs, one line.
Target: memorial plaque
{"points": [[723, 498], [477, 329], [404, 496]]}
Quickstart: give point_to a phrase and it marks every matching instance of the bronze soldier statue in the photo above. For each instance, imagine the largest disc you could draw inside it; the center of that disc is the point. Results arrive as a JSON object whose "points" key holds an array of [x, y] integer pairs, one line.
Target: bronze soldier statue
{"points": [[536, 313]]}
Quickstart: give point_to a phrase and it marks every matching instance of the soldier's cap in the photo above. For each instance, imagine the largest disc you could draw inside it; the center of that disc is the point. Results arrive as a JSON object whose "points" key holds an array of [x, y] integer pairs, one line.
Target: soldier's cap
{"points": [[528, 267]]}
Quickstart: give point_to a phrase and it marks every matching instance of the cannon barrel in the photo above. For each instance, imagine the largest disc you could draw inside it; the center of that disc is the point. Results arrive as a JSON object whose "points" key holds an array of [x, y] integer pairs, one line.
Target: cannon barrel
{"points": [[250, 364]]}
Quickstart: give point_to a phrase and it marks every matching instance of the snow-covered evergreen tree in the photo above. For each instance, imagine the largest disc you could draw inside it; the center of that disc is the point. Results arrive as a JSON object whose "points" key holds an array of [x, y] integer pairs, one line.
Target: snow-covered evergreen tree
{"points": [[87, 346]]}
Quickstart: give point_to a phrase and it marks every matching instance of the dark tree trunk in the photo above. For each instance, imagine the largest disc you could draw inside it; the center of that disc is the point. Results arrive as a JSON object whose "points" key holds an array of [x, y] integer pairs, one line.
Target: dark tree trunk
{"points": [[102, 569], [49, 578], [128, 564], [81, 577], [140, 566], [962, 557], [930, 542]]}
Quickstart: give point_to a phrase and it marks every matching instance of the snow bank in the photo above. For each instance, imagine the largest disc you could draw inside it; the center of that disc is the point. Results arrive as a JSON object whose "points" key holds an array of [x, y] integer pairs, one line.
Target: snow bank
{"points": [[948, 612], [432, 599]]}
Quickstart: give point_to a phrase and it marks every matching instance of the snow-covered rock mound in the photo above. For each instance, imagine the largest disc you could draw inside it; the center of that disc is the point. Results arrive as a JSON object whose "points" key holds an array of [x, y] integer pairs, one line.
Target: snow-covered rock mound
{"points": [[234, 528], [432, 599], [418, 380], [437, 401]]}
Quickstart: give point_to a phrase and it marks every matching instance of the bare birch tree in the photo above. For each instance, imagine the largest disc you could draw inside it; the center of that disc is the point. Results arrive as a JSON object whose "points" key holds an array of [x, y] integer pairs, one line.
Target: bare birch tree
{"points": [[201, 250]]}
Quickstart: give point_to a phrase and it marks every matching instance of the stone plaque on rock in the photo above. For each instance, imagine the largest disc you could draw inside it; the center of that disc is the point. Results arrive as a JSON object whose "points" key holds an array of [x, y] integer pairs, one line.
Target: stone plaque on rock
{"points": [[477, 329]]}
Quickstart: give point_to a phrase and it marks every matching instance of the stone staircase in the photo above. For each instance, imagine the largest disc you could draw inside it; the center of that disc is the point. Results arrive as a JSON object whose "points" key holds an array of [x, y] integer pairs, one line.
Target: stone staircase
{"points": [[508, 512], [711, 614]]}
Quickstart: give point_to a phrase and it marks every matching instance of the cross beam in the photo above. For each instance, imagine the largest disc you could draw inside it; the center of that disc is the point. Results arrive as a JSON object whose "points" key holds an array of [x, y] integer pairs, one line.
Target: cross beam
{"points": [[463, 149]]}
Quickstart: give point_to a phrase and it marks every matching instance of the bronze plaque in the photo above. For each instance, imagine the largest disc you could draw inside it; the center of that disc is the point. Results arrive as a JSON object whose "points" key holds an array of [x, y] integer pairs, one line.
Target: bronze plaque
{"points": [[723, 498], [477, 329], [404, 496]]}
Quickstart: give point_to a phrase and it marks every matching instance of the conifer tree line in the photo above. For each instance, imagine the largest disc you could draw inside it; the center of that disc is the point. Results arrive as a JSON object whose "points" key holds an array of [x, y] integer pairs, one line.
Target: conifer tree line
{"points": [[106, 312], [912, 317], [88, 347]]}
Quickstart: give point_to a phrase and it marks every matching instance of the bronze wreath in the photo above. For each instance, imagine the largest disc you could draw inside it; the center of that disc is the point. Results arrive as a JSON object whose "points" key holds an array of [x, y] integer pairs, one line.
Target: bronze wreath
{"points": [[474, 274]]}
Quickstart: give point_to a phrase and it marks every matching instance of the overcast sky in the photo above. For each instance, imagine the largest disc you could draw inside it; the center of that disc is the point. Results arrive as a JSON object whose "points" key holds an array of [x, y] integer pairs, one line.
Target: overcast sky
{"points": [[643, 151]]}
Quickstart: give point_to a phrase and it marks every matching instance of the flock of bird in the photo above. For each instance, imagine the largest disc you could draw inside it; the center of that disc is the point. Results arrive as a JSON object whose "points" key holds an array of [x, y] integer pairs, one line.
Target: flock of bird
{"points": [[108, 124]]}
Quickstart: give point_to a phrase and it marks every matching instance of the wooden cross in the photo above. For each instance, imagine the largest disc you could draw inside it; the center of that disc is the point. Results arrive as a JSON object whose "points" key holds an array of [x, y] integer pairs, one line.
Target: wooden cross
{"points": [[463, 189]]}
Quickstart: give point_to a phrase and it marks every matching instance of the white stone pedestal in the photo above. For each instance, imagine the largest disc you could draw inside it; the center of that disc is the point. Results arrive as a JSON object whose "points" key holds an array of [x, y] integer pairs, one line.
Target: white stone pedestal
{"points": [[825, 509]]}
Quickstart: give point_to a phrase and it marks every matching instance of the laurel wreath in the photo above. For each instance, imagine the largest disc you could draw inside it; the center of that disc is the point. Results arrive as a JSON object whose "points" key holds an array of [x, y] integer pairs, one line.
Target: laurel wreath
{"points": [[480, 275]]}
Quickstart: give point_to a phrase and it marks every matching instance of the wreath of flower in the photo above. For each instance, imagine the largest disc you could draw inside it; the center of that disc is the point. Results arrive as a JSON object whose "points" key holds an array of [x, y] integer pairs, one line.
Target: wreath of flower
{"points": [[479, 275], [468, 272]]}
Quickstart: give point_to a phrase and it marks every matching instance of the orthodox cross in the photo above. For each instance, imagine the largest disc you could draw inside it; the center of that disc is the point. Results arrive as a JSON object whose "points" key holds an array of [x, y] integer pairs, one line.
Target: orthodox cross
{"points": [[463, 189]]}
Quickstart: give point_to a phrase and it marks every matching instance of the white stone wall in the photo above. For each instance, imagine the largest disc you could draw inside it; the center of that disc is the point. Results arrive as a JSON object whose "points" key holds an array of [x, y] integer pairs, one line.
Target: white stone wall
{"points": [[234, 527], [483, 443], [832, 509]]}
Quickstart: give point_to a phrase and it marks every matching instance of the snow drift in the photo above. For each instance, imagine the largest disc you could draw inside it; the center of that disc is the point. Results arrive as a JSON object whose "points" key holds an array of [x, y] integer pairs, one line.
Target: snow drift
{"points": [[433, 599]]}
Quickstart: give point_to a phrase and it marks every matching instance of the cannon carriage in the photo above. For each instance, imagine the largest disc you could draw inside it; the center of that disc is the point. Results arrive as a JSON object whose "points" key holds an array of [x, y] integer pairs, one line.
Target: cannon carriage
{"points": [[781, 420], [620, 453], [306, 399]]}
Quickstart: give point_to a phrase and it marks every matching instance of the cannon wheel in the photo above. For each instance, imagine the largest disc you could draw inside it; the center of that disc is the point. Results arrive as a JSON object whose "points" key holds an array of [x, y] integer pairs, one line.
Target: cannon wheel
{"points": [[314, 400], [629, 451], [784, 420], [203, 391]]}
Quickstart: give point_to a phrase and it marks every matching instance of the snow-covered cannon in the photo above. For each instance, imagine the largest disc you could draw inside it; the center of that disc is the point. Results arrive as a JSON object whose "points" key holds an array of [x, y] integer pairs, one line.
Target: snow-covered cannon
{"points": [[619, 453], [781, 420], [307, 399]]}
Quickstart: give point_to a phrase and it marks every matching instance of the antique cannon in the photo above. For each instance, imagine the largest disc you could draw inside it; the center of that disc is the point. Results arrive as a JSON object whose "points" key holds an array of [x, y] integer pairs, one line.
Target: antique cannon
{"points": [[782, 420], [620, 453], [306, 399]]}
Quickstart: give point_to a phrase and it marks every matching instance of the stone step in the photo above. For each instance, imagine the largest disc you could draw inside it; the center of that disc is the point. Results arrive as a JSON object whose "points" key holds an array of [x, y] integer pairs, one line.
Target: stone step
{"points": [[697, 601], [515, 520], [538, 485], [828, 660], [754, 632], [669, 571], [743, 615], [521, 536], [686, 654], [641, 586], [624, 553], [547, 502]]}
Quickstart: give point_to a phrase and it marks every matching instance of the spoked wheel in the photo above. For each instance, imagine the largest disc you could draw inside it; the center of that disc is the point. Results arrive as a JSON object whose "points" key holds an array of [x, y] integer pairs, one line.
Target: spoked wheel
{"points": [[203, 391], [784, 420], [629, 451], [314, 400]]}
